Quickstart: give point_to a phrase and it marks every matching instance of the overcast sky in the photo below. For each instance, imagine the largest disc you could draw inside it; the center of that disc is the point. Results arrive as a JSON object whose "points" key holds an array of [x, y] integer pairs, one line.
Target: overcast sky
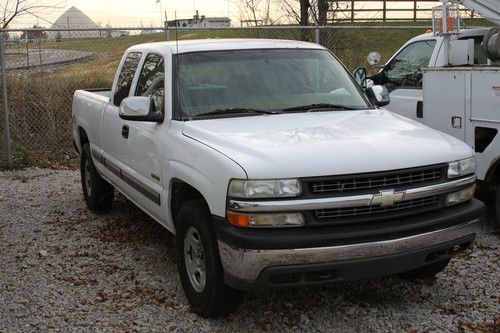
{"points": [[131, 12], [134, 13]]}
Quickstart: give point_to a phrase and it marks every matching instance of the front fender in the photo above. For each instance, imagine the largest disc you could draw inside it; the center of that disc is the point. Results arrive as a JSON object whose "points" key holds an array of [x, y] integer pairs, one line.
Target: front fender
{"points": [[203, 168]]}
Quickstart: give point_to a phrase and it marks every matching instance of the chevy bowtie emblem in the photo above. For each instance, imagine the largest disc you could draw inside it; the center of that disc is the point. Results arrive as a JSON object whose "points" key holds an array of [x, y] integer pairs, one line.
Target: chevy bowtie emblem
{"points": [[387, 198]]}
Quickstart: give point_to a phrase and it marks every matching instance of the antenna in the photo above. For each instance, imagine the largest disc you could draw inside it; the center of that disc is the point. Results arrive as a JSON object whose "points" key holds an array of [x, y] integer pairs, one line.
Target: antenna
{"points": [[176, 29], [176, 64]]}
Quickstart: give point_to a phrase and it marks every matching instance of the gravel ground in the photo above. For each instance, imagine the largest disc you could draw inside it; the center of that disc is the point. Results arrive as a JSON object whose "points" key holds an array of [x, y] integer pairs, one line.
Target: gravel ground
{"points": [[65, 269]]}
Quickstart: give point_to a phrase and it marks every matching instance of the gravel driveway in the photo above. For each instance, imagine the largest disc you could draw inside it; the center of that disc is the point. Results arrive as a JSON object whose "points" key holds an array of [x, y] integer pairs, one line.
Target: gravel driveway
{"points": [[65, 269]]}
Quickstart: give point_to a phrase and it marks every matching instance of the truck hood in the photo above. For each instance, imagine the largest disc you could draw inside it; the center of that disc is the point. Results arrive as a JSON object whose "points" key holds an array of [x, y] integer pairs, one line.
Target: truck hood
{"points": [[325, 143]]}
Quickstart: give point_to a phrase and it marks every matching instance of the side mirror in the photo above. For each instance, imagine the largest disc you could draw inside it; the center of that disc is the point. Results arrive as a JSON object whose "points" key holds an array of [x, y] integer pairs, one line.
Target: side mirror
{"points": [[373, 58], [378, 95], [360, 77], [139, 108]]}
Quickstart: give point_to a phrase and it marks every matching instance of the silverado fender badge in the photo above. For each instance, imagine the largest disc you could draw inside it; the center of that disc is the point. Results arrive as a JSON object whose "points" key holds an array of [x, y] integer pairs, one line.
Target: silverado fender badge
{"points": [[387, 198]]}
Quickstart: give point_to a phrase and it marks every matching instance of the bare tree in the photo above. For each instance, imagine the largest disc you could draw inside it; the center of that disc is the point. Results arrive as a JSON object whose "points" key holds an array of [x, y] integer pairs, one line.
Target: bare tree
{"points": [[317, 11], [296, 11], [323, 7], [12, 9], [34, 33], [257, 12]]}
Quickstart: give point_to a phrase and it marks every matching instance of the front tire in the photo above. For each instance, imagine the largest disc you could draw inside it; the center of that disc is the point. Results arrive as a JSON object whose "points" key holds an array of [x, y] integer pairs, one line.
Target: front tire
{"points": [[199, 264], [97, 192], [427, 271]]}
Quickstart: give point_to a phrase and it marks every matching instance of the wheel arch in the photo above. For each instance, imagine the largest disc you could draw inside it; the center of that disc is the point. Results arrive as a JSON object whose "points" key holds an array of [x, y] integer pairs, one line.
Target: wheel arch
{"points": [[181, 192], [493, 173], [202, 175], [83, 138]]}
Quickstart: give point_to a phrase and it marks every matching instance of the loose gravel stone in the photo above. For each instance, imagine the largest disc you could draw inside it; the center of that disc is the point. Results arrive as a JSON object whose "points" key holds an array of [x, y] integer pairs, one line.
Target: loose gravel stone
{"points": [[64, 269]]}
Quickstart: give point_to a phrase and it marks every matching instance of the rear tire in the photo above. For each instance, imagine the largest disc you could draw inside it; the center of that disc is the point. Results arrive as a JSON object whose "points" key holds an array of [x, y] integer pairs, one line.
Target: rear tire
{"points": [[199, 264], [97, 192], [427, 271]]}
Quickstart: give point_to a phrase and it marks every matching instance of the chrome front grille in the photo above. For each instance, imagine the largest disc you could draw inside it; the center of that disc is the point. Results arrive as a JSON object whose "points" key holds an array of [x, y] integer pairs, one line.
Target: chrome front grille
{"points": [[403, 206], [366, 201], [377, 181]]}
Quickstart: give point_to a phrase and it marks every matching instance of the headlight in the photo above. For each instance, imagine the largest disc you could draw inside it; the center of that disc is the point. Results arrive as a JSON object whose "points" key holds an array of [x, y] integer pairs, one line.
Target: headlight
{"points": [[462, 167], [460, 196], [266, 220], [256, 189]]}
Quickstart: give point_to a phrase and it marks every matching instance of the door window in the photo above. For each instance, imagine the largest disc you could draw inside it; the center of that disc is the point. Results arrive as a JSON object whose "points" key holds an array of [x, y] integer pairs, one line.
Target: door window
{"points": [[152, 80], [405, 70], [126, 76]]}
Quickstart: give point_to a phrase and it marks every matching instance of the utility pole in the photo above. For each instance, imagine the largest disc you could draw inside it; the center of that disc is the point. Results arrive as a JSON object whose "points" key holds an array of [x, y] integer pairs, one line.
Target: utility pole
{"points": [[67, 20], [227, 3], [161, 14]]}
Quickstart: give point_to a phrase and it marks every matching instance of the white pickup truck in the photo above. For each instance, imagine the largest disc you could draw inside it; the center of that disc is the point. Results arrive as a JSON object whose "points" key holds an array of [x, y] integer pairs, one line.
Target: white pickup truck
{"points": [[273, 168]]}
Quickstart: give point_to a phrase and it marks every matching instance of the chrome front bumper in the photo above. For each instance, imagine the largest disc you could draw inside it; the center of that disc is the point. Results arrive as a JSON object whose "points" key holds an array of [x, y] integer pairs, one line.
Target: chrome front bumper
{"points": [[245, 264]]}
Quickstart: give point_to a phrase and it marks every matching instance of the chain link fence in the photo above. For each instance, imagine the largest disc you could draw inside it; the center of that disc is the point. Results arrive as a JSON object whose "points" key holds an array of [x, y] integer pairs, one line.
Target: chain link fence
{"points": [[45, 67]]}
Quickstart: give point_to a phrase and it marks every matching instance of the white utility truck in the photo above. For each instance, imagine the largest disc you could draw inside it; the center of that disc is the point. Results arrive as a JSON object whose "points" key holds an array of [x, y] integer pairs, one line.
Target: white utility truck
{"points": [[402, 74], [461, 87], [273, 168]]}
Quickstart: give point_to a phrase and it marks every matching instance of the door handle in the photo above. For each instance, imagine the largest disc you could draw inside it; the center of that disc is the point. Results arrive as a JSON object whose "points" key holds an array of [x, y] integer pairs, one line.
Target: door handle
{"points": [[456, 122], [420, 109], [125, 131]]}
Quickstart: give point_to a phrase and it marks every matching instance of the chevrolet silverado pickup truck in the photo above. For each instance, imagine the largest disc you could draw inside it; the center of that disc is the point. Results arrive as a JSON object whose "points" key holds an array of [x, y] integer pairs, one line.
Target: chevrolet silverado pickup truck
{"points": [[273, 168]]}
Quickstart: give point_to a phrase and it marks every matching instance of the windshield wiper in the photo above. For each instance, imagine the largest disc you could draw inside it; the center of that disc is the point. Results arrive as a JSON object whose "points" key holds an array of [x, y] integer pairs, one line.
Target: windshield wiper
{"points": [[227, 111], [320, 106]]}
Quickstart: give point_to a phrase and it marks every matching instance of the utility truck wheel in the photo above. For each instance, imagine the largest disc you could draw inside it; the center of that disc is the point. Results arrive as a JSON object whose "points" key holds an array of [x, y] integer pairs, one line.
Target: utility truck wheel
{"points": [[199, 264], [97, 192], [426, 271]]}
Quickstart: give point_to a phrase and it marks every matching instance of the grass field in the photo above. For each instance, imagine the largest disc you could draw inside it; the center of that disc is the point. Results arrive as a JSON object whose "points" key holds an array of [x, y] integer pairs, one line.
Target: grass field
{"points": [[350, 45], [41, 100]]}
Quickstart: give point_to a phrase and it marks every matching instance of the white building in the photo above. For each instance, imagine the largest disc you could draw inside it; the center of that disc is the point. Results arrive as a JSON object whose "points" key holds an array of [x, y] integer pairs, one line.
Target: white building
{"points": [[201, 22], [74, 18]]}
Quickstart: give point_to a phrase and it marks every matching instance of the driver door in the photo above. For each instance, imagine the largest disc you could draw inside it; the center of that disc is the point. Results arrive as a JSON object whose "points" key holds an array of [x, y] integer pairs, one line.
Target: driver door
{"points": [[403, 78], [144, 142]]}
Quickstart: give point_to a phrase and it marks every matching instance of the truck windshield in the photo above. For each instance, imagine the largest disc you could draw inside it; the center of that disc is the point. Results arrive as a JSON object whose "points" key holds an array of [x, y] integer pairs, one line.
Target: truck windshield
{"points": [[264, 80]]}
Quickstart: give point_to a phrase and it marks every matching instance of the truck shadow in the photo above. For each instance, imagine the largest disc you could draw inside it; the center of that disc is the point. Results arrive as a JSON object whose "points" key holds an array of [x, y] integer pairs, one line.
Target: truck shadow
{"points": [[152, 248]]}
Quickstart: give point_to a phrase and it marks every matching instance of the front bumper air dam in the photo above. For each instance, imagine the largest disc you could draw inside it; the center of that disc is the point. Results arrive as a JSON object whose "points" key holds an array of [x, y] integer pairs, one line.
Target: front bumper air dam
{"points": [[270, 268]]}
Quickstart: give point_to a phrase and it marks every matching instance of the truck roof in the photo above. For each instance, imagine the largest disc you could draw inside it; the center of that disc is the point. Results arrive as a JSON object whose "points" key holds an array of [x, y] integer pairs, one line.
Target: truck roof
{"points": [[462, 33], [198, 45]]}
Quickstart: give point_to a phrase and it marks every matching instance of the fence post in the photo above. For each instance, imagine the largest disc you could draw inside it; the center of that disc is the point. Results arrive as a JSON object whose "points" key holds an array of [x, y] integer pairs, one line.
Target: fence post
{"points": [[8, 141], [27, 50], [316, 35]]}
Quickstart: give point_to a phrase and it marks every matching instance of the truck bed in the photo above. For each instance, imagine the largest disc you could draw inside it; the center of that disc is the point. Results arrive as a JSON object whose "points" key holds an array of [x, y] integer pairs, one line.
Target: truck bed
{"points": [[88, 108], [106, 92]]}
